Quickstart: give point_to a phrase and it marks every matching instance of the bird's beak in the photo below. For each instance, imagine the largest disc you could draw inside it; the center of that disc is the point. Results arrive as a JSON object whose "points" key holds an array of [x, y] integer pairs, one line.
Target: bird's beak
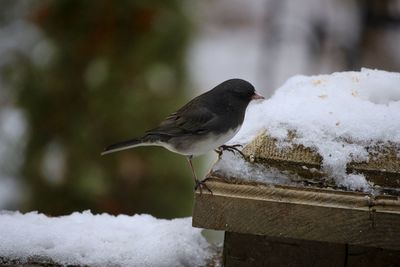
{"points": [[257, 96]]}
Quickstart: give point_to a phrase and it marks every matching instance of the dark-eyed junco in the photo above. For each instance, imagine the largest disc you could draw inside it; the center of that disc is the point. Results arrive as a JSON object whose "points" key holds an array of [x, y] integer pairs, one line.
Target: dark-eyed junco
{"points": [[207, 122]]}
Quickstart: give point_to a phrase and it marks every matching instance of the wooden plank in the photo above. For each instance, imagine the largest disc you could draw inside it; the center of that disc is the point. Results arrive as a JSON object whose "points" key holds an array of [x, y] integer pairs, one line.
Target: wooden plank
{"points": [[300, 213], [33, 261], [382, 168], [366, 256], [247, 250], [244, 250]]}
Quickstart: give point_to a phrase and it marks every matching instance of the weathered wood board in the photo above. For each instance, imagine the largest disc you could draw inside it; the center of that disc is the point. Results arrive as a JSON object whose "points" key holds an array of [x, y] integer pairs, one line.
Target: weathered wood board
{"points": [[382, 168], [313, 221], [256, 250], [300, 213]]}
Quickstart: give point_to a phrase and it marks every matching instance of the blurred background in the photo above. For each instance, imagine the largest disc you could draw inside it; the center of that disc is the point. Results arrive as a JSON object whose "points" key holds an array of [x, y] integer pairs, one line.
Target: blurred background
{"points": [[76, 76]]}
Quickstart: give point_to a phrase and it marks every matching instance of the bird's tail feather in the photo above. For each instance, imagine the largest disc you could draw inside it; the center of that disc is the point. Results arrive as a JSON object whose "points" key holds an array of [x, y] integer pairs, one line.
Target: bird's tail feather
{"points": [[124, 145]]}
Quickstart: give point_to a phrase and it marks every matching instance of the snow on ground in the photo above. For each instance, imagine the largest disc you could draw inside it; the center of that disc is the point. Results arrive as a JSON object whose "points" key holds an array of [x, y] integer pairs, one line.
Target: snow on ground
{"points": [[337, 115], [103, 240]]}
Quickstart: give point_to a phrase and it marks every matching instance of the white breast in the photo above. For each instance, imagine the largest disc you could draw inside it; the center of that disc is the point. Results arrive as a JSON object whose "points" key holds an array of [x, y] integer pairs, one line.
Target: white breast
{"points": [[204, 145]]}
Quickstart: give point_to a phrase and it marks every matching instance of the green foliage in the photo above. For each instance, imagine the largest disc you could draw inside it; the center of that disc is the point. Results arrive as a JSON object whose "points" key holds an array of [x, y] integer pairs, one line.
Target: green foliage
{"points": [[109, 71]]}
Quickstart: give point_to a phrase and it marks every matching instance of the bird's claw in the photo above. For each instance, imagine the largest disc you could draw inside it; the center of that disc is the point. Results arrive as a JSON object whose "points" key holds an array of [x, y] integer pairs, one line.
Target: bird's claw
{"points": [[202, 185], [233, 148]]}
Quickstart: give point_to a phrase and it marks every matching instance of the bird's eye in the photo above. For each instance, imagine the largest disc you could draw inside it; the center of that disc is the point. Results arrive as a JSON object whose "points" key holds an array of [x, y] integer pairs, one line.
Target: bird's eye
{"points": [[244, 93]]}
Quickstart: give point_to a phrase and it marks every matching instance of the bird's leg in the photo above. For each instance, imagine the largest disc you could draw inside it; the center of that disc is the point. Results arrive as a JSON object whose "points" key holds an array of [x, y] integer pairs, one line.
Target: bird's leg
{"points": [[232, 148], [189, 158], [197, 184]]}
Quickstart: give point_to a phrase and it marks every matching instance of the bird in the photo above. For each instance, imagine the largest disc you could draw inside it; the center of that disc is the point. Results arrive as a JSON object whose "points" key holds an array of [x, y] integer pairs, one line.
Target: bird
{"points": [[204, 124]]}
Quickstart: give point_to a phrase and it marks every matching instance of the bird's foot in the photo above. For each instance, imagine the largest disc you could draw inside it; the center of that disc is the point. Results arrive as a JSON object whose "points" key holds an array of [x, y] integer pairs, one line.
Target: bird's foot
{"points": [[202, 185], [233, 148]]}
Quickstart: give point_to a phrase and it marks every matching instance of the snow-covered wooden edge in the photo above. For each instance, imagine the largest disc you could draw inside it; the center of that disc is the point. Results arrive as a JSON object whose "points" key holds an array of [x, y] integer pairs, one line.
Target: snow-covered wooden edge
{"points": [[31, 262], [87, 239], [43, 261], [300, 213], [382, 170]]}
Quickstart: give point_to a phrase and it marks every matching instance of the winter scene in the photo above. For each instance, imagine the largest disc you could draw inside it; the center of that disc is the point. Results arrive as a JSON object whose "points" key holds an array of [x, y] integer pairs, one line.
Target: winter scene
{"points": [[200, 133]]}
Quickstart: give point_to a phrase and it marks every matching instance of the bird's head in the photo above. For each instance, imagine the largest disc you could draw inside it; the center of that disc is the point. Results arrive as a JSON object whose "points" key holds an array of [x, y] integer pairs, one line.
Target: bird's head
{"points": [[241, 89]]}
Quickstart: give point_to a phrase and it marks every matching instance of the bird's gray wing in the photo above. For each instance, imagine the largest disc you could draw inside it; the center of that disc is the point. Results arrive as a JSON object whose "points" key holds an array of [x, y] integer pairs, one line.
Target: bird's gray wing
{"points": [[190, 119]]}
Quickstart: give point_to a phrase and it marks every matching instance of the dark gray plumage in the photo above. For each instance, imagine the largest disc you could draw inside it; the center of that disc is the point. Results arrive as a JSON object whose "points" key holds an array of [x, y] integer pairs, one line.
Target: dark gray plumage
{"points": [[203, 124]]}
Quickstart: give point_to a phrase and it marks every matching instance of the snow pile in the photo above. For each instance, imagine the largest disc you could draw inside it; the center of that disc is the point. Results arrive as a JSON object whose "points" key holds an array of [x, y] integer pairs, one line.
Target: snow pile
{"points": [[338, 115], [232, 165], [103, 240]]}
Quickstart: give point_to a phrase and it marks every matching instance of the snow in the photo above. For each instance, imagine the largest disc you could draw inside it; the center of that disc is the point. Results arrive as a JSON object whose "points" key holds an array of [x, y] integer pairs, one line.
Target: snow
{"points": [[103, 240], [232, 165], [337, 115]]}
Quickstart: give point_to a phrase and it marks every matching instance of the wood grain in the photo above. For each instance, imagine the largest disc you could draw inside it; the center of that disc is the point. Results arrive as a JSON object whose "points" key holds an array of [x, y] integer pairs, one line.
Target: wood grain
{"points": [[382, 168], [300, 213], [246, 250]]}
